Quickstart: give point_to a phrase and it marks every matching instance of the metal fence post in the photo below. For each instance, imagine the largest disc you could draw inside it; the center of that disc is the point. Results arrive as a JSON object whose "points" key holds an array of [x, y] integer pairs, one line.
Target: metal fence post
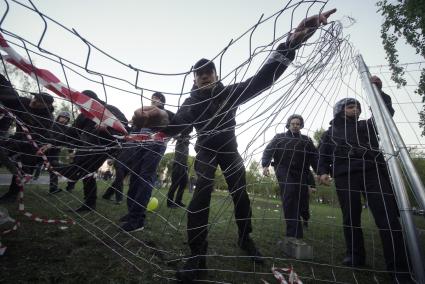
{"points": [[411, 236]]}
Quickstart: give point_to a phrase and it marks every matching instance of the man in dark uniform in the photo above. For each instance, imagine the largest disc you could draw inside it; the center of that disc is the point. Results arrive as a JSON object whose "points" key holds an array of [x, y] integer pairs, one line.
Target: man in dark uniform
{"points": [[92, 153], [145, 161], [349, 151], [179, 174], [59, 128], [36, 114], [293, 155], [211, 109]]}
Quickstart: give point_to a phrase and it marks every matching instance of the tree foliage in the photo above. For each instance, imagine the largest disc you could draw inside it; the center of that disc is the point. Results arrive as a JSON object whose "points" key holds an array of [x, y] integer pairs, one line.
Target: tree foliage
{"points": [[318, 135], [22, 83], [404, 19]]}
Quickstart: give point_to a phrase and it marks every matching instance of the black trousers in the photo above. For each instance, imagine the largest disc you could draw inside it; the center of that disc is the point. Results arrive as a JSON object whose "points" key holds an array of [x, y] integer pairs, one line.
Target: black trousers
{"points": [[85, 162], [376, 187], [294, 196], [206, 163], [123, 165], [121, 171], [53, 157], [179, 180], [305, 203]]}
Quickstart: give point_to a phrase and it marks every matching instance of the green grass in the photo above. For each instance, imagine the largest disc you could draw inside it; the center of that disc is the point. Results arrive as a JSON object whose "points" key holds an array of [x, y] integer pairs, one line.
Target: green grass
{"points": [[43, 253]]}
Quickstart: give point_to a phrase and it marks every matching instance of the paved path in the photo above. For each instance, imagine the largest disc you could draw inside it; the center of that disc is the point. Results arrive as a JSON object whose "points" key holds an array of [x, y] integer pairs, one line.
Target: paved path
{"points": [[5, 179]]}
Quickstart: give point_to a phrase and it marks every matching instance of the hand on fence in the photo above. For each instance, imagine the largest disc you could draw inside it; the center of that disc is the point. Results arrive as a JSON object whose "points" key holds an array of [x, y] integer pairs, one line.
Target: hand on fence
{"points": [[307, 27], [324, 179], [43, 149]]}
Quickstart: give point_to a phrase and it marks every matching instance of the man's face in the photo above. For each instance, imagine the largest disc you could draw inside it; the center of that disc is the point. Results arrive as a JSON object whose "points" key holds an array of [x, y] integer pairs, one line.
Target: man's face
{"points": [[205, 79], [156, 102], [295, 125], [352, 111], [375, 80], [36, 104], [63, 120]]}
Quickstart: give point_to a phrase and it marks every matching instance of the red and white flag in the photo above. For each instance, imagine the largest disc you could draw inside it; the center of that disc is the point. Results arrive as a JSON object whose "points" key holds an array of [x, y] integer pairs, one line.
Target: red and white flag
{"points": [[88, 106]]}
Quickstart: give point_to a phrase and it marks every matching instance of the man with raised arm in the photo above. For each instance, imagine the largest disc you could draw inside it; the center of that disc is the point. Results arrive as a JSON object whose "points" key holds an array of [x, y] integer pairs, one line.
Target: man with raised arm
{"points": [[211, 109]]}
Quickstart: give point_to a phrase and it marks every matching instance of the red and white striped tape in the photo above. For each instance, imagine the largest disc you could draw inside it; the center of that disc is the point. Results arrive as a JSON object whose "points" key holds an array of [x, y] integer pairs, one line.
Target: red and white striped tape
{"points": [[292, 276], [21, 209], [90, 107], [23, 178]]}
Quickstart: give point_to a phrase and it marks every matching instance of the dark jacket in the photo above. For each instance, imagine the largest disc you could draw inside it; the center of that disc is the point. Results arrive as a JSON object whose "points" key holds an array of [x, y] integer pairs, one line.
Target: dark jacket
{"points": [[349, 146], [293, 152], [85, 129], [39, 121], [212, 112]]}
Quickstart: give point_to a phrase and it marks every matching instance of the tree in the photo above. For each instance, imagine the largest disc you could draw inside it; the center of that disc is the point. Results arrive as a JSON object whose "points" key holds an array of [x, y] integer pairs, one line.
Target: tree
{"points": [[22, 83], [405, 19], [318, 135], [253, 177], [166, 166]]}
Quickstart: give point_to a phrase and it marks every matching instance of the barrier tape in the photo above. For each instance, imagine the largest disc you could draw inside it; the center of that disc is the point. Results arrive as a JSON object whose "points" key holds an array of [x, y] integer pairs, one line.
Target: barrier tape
{"points": [[91, 108]]}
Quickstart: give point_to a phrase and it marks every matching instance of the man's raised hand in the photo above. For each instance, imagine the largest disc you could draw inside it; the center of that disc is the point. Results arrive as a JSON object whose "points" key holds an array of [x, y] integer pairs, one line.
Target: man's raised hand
{"points": [[307, 27]]}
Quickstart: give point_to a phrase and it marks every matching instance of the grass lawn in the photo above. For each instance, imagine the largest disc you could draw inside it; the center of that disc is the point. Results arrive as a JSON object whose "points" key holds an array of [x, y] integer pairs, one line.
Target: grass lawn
{"points": [[96, 251]]}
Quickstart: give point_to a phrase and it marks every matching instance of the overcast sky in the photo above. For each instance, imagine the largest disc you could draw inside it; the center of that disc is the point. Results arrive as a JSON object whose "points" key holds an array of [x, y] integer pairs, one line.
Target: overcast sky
{"points": [[170, 36]]}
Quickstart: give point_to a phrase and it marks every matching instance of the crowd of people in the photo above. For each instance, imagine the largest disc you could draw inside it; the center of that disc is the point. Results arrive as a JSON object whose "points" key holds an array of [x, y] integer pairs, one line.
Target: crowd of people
{"points": [[348, 150]]}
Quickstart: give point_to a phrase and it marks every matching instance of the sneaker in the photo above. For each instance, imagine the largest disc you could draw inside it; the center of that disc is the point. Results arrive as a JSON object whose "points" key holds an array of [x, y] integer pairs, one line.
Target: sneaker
{"points": [[194, 268], [171, 205], [69, 188], [85, 208], [249, 247], [54, 191], [131, 227], [106, 197]]}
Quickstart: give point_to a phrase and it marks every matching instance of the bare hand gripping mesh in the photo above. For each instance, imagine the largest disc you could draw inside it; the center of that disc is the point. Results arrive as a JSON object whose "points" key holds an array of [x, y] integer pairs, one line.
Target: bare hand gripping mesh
{"points": [[323, 72]]}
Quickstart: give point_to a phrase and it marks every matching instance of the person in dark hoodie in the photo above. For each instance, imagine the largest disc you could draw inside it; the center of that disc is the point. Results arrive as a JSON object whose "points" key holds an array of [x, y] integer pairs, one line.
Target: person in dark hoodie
{"points": [[126, 159], [349, 151], [145, 161], [211, 109], [91, 153], [36, 114], [59, 129], [293, 154], [180, 170]]}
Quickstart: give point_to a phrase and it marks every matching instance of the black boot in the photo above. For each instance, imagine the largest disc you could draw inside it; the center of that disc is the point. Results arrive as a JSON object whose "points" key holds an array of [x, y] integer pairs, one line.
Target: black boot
{"points": [[108, 193], [85, 208], [171, 204], [195, 266], [248, 245]]}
